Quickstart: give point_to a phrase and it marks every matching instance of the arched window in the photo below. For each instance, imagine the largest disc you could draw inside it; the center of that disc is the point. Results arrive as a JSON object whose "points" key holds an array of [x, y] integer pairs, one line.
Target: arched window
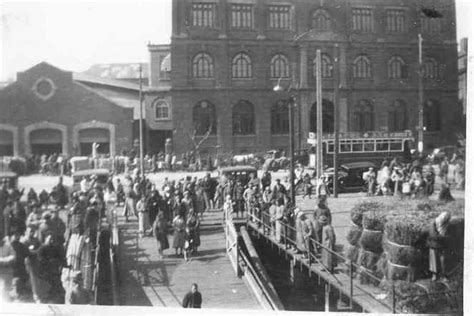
{"points": [[361, 67], [203, 66], [328, 117], [162, 110], [430, 68], [204, 118], [397, 116], [280, 120], [326, 66], [243, 118], [279, 67], [363, 116], [431, 116], [320, 20], [241, 66], [396, 68]]}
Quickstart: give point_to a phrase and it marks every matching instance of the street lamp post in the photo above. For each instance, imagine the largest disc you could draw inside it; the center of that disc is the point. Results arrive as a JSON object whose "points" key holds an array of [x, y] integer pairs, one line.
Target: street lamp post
{"points": [[291, 103], [142, 172], [319, 118], [420, 94]]}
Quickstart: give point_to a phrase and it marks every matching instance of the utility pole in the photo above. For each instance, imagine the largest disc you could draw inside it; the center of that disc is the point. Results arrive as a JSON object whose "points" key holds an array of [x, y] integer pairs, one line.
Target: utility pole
{"points": [[336, 121], [420, 94], [142, 172], [319, 118], [291, 102]]}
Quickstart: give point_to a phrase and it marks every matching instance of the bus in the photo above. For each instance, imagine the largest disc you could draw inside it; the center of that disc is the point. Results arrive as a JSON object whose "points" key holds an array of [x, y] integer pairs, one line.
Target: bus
{"points": [[369, 146]]}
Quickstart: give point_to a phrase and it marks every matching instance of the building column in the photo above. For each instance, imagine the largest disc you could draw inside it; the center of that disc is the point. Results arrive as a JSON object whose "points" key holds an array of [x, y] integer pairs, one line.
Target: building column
{"points": [[303, 67]]}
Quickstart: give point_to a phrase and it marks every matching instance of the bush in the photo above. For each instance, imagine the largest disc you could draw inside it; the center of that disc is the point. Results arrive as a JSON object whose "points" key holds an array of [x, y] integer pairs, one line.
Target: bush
{"points": [[353, 235], [359, 209], [401, 255], [368, 261], [405, 229], [352, 252], [373, 221], [371, 241]]}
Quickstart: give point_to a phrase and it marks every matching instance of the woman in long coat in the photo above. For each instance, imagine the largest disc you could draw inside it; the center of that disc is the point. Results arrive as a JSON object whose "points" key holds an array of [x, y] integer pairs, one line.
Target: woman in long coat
{"points": [[303, 232], [193, 233], [160, 229], [278, 219], [328, 241], [179, 235]]}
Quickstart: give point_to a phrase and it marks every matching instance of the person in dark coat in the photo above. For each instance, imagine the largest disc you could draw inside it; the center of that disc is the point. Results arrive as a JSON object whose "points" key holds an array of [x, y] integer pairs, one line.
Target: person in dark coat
{"points": [[193, 299], [51, 259], [160, 229], [193, 233], [321, 210], [238, 198]]}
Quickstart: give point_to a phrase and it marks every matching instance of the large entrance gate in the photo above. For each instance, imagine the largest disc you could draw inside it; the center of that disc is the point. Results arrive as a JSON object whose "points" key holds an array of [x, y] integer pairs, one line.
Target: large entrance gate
{"points": [[88, 136], [46, 141]]}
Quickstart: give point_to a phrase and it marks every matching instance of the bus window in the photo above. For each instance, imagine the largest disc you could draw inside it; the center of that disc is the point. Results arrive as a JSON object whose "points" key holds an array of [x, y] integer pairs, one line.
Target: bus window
{"points": [[381, 145], [396, 145], [357, 146], [330, 147], [369, 145], [345, 146]]}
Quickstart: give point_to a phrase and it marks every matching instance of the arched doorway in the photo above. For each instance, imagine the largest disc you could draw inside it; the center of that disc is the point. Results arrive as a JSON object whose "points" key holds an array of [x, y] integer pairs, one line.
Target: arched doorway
{"points": [[328, 117], [6, 143], [46, 141], [88, 136]]}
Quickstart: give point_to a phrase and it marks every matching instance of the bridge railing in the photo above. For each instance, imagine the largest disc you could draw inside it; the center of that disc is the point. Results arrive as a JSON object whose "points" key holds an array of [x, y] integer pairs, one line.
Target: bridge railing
{"points": [[263, 220]]}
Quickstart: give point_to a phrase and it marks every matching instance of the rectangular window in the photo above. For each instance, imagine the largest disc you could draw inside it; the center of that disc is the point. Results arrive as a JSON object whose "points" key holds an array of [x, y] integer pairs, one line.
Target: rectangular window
{"points": [[430, 25], [331, 147], [396, 145], [203, 14], [241, 16], [356, 146], [161, 113], [362, 20], [381, 145], [369, 145], [280, 17], [345, 146], [395, 21]]}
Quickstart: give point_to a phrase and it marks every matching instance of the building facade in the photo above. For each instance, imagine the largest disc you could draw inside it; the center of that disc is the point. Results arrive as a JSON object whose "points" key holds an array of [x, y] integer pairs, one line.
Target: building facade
{"points": [[227, 55], [47, 111]]}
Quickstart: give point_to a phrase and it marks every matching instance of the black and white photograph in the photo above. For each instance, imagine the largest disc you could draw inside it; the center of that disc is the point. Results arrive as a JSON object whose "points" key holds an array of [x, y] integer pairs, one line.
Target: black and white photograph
{"points": [[236, 156]]}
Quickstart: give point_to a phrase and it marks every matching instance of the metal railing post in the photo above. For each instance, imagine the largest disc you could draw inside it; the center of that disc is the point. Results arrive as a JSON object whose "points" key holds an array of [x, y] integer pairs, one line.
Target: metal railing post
{"points": [[285, 236], [394, 301], [351, 271]]}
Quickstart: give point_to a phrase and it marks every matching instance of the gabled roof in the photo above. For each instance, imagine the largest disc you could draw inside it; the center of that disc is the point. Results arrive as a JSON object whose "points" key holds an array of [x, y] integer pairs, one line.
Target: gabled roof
{"points": [[106, 81]]}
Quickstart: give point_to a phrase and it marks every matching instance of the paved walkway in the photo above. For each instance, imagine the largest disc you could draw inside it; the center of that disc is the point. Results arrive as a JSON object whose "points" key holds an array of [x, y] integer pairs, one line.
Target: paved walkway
{"points": [[148, 281]]}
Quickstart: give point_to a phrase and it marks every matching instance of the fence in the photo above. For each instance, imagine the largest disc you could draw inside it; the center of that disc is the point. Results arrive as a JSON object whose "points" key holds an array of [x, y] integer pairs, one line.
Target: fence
{"points": [[263, 221]]}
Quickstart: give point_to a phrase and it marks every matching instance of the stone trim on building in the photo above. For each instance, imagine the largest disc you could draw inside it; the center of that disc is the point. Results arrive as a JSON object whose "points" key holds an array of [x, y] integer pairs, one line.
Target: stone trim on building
{"points": [[94, 124], [41, 125], [14, 131]]}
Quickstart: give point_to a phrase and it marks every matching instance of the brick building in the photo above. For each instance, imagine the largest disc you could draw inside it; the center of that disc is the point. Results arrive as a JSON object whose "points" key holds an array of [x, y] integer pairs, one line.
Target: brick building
{"points": [[227, 55], [47, 111]]}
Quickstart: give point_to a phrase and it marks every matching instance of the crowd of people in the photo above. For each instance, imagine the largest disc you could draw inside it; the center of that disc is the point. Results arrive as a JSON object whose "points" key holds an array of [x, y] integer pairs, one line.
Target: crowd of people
{"points": [[413, 180]]}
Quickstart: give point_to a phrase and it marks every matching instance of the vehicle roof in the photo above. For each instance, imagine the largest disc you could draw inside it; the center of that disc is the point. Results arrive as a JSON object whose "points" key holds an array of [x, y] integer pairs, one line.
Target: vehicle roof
{"points": [[91, 171], [238, 168], [361, 164], [8, 174]]}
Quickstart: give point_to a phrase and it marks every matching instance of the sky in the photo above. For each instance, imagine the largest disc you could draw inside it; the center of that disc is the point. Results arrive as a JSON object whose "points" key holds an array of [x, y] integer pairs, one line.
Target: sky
{"points": [[74, 35]]}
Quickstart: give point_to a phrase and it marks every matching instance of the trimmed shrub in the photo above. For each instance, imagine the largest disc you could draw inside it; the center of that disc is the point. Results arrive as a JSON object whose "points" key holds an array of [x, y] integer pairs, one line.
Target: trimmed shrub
{"points": [[353, 235]]}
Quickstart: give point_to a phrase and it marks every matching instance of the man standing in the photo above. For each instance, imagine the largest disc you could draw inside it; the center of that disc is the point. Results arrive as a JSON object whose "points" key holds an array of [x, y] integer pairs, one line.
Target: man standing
{"points": [[193, 299]]}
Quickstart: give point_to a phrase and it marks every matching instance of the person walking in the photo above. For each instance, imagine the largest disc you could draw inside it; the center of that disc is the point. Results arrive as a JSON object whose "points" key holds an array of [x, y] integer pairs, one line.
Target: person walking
{"points": [[179, 234], [193, 234], [77, 294], [192, 299], [142, 217], [328, 241], [160, 229]]}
